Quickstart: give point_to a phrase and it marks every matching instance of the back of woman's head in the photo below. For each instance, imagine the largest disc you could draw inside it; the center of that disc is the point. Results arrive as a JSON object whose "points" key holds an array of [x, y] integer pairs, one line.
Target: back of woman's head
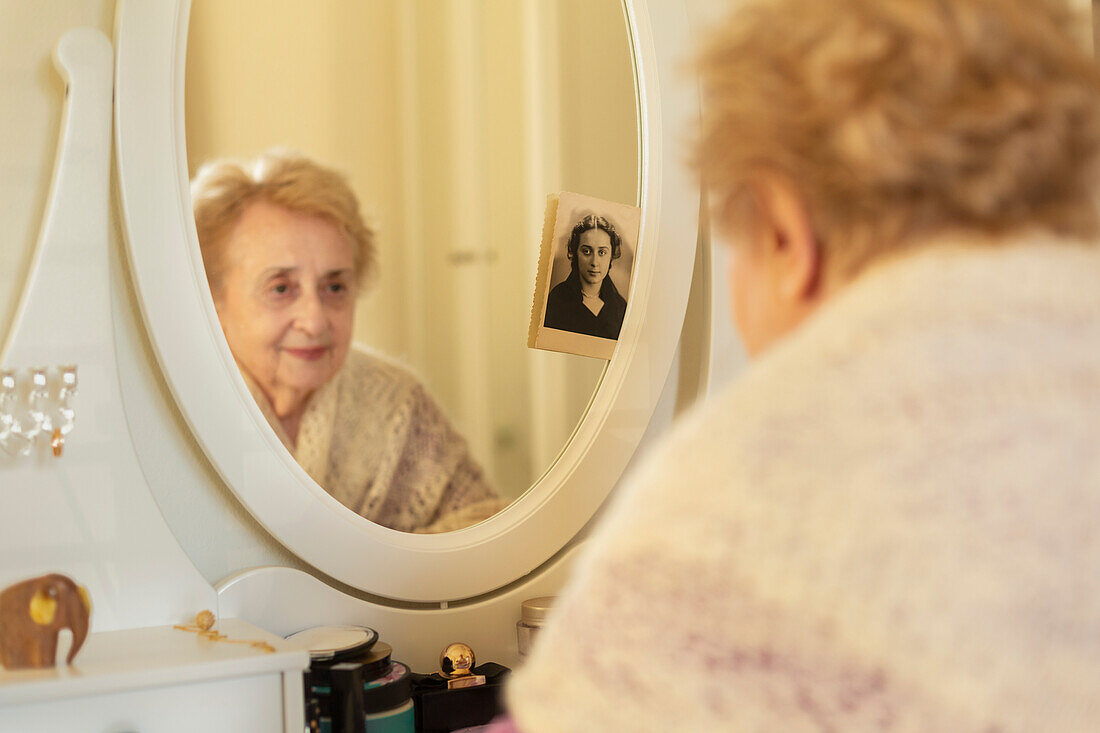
{"points": [[899, 119], [222, 189]]}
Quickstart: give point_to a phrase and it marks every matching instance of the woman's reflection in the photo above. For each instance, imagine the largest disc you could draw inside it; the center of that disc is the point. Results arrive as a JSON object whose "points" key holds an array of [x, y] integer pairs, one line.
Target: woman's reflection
{"points": [[286, 252]]}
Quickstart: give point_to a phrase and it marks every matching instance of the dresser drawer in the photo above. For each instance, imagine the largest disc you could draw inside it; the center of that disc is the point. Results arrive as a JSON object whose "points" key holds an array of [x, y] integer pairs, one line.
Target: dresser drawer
{"points": [[233, 705]]}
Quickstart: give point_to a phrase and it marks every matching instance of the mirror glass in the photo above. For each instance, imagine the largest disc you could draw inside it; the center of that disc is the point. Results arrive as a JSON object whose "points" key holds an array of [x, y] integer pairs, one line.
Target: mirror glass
{"points": [[452, 122]]}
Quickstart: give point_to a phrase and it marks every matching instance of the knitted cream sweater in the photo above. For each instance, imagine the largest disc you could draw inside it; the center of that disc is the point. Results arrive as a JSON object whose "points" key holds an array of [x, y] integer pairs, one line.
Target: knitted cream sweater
{"points": [[375, 440], [890, 522]]}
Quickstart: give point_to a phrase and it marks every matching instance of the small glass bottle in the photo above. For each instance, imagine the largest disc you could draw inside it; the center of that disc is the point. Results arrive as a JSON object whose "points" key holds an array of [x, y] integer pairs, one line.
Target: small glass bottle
{"points": [[533, 614]]}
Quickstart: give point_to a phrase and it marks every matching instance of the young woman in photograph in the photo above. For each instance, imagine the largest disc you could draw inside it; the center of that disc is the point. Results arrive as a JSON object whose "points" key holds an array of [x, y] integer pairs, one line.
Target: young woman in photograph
{"points": [[587, 301]]}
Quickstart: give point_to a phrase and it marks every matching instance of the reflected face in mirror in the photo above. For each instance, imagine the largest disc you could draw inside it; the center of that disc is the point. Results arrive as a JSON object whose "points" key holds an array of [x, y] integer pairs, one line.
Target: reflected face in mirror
{"points": [[594, 257], [284, 246], [286, 301], [418, 103]]}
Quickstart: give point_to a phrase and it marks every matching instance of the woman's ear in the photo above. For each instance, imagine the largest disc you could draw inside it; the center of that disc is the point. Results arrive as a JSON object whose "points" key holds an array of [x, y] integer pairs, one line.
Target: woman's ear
{"points": [[786, 238]]}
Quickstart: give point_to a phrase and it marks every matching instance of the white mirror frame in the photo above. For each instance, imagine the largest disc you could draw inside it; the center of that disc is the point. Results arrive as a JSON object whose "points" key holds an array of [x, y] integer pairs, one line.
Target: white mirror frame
{"points": [[151, 42]]}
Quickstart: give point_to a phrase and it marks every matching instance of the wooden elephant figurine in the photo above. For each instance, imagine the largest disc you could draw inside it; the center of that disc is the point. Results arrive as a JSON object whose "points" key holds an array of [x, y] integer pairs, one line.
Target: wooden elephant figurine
{"points": [[31, 615]]}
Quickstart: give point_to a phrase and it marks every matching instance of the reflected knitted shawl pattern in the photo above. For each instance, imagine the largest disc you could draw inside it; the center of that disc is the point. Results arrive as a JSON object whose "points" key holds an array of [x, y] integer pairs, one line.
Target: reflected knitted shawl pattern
{"points": [[375, 440]]}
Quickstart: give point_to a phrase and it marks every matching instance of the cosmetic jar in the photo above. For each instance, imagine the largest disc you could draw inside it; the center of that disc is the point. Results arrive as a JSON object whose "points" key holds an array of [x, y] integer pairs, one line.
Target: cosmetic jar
{"points": [[387, 702], [376, 663], [335, 643], [533, 615]]}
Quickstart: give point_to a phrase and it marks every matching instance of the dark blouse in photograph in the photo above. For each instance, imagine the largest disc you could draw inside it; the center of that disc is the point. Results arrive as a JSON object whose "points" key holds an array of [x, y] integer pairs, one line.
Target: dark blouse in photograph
{"points": [[566, 311]]}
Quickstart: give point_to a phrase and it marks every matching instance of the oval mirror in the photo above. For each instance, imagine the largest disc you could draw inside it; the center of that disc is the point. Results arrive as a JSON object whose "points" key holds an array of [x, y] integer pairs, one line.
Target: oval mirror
{"points": [[577, 474], [452, 122]]}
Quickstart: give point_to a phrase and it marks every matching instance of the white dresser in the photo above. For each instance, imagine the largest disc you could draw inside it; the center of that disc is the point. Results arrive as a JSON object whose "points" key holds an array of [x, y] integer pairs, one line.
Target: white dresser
{"points": [[162, 680]]}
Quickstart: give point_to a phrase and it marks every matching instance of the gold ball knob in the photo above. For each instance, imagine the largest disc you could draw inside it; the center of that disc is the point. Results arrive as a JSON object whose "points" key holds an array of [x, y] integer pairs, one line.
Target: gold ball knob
{"points": [[204, 620], [456, 660]]}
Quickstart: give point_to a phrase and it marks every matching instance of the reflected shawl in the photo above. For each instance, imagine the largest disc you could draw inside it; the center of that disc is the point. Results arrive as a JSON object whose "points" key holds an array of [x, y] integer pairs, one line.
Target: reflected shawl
{"points": [[378, 443], [888, 522]]}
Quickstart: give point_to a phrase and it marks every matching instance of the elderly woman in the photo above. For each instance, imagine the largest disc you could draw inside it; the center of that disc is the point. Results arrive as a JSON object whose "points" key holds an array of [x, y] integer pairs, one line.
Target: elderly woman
{"points": [[889, 521], [587, 301], [286, 253]]}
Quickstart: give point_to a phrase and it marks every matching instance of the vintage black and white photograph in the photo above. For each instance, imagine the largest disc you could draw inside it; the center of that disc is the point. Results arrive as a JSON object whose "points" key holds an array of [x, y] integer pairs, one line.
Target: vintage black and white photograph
{"points": [[585, 274]]}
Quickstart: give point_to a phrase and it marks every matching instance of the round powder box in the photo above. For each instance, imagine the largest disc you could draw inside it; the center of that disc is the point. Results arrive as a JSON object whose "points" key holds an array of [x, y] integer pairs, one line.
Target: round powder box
{"points": [[335, 643], [376, 663]]}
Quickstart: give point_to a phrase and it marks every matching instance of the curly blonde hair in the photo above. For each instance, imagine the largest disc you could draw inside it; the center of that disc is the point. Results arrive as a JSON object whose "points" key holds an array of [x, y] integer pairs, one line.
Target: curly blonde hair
{"points": [[899, 119], [222, 189]]}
